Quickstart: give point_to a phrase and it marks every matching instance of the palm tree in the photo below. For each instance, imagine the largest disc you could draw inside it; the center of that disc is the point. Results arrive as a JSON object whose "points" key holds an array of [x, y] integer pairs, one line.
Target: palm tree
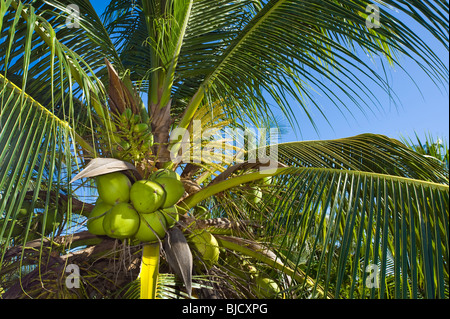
{"points": [[358, 217]]}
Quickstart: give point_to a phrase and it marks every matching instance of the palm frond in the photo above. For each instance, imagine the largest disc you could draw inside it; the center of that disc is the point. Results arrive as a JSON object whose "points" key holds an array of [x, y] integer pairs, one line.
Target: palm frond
{"points": [[46, 168], [342, 207], [168, 287], [290, 46], [39, 127], [89, 39], [347, 221], [366, 152]]}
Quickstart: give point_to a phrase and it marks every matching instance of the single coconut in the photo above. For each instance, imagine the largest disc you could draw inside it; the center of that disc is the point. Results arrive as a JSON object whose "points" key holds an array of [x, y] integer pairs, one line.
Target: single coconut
{"points": [[113, 188], [206, 244], [174, 190], [25, 210], [53, 220], [164, 173], [201, 212], [171, 215], [147, 196], [17, 229], [255, 195], [121, 221], [140, 128], [266, 287], [125, 145], [95, 218], [152, 227]]}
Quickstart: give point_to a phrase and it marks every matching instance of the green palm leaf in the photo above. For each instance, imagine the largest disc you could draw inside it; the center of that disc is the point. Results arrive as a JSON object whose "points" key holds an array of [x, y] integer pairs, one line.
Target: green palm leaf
{"points": [[48, 130], [278, 57], [366, 152], [341, 217], [335, 211]]}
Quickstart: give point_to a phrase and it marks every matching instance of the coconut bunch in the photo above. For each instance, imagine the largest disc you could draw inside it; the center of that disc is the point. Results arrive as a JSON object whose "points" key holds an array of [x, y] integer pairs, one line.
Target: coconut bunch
{"points": [[130, 135], [143, 211]]}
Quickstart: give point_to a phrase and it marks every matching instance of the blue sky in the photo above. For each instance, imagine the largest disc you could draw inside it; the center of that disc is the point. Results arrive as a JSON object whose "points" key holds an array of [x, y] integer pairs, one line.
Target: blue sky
{"points": [[425, 111]]}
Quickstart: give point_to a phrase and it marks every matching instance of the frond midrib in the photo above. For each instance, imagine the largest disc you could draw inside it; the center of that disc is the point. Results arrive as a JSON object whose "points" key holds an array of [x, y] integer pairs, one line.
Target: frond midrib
{"points": [[207, 192]]}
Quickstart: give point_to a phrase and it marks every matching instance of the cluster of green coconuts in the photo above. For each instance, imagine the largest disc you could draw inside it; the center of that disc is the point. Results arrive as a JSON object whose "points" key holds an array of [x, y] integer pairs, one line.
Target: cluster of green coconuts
{"points": [[143, 211], [130, 136]]}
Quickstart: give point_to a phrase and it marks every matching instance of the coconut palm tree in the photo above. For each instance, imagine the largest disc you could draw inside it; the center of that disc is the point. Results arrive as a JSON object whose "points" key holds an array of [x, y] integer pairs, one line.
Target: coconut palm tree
{"points": [[138, 89]]}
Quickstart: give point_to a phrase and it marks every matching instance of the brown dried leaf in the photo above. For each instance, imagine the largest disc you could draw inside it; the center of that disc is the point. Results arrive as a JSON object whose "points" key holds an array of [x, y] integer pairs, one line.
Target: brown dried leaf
{"points": [[120, 97]]}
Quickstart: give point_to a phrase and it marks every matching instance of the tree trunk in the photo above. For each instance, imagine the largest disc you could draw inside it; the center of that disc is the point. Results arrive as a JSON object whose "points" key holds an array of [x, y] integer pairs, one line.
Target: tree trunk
{"points": [[161, 122]]}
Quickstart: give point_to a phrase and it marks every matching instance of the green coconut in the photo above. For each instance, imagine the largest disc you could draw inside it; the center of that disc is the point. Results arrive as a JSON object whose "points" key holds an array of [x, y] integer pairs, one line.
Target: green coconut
{"points": [[174, 190], [164, 173], [152, 226], [53, 220], [25, 210], [201, 212], [17, 229], [171, 214], [140, 128], [95, 218], [266, 287], [207, 246], [113, 188], [147, 196], [121, 221], [255, 195]]}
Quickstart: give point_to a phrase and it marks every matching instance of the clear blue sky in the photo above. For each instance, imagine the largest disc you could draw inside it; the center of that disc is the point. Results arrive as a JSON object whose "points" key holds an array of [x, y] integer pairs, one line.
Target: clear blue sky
{"points": [[425, 111]]}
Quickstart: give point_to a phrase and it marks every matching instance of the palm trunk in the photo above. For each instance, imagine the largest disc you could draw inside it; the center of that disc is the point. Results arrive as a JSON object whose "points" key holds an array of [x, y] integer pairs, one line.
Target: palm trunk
{"points": [[161, 122]]}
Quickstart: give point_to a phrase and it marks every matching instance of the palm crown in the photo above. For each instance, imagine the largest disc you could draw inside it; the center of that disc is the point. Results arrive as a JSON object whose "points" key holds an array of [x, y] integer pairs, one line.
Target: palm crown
{"points": [[120, 89]]}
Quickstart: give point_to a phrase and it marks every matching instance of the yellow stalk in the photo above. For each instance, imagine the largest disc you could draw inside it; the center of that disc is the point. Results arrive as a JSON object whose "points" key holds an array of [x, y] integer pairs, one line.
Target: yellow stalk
{"points": [[149, 271]]}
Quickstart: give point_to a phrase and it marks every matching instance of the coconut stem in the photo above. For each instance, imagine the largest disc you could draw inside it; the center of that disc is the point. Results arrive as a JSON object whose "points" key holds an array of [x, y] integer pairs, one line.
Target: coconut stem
{"points": [[149, 271]]}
